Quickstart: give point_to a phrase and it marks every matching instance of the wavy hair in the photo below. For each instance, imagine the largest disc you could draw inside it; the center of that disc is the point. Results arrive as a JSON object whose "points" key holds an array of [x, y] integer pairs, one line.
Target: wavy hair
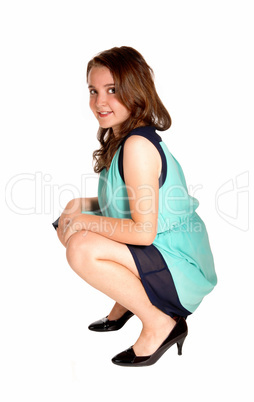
{"points": [[135, 88]]}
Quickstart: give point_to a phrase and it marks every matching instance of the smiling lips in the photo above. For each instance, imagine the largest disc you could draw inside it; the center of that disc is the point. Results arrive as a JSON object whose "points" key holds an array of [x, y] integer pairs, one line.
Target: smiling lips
{"points": [[104, 114]]}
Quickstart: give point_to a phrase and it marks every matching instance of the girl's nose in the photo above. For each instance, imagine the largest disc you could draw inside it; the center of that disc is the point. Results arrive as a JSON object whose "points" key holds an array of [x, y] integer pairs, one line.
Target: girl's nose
{"points": [[101, 100]]}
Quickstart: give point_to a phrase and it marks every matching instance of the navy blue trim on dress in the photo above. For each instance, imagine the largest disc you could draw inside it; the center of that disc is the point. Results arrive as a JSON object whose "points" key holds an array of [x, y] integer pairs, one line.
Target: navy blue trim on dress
{"points": [[149, 133], [157, 280]]}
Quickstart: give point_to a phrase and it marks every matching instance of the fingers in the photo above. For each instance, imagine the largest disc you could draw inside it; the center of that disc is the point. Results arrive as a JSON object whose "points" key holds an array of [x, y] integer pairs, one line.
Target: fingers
{"points": [[62, 225], [71, 228]]}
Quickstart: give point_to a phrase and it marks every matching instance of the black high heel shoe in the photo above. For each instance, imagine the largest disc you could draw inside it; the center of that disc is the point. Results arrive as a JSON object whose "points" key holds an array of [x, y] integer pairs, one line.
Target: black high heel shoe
{"points": [[105, 324], [177, 335]]}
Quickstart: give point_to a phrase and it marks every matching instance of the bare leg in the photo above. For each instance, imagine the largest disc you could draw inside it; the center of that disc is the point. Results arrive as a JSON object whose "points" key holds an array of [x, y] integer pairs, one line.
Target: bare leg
{"points": [[109, 267], [72, 208]]}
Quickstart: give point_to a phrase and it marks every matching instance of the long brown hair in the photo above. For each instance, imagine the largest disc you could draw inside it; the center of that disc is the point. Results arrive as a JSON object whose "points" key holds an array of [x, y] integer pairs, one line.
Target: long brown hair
{"points": [[134, 86]]}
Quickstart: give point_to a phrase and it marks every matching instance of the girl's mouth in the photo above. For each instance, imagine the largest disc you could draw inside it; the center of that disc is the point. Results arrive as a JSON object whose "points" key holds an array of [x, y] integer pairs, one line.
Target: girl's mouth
{"points": [[104, 114]]}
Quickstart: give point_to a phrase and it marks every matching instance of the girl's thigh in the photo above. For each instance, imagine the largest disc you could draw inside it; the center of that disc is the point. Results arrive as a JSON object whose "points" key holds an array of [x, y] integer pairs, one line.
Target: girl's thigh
{"points": [[96, 246]]}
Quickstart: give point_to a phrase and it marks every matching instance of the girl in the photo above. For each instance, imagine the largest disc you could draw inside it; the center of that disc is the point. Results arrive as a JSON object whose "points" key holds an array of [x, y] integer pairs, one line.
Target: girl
{"points": [[141, 241]]}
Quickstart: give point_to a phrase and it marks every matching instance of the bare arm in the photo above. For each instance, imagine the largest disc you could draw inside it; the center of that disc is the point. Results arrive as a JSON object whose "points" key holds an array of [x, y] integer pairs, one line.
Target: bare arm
{"points": [[142, 166]]}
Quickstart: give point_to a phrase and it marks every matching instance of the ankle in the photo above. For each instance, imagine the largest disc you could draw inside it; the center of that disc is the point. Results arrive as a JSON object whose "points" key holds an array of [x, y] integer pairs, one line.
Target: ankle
{"points": [[117, 312], [158, 320]]}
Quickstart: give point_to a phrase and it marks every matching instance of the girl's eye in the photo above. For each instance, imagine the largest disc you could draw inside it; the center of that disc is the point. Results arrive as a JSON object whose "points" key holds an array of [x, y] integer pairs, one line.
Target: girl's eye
{"points": [[92, 91], [112, 90]]}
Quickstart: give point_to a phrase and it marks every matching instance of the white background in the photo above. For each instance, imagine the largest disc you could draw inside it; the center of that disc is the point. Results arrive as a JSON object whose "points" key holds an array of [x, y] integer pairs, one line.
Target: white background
{"points": [[202, 56]]}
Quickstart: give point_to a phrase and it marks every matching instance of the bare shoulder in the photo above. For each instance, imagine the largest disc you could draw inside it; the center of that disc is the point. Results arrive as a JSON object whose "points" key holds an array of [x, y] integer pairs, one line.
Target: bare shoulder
{"points": [[139, 152], [137, 145]]}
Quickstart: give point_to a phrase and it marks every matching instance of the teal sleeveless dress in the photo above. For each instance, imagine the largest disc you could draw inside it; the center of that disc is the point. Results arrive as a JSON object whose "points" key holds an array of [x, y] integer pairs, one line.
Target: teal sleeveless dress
{"points": [[177, 270]]}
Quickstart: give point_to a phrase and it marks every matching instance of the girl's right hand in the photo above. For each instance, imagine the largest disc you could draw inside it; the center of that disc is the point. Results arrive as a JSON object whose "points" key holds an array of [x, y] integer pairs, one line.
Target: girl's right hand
{"points": [[73, 208]]}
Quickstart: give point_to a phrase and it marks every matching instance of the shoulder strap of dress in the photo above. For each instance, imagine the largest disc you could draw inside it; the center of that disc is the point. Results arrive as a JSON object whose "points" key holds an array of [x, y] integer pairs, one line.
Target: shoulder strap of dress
{"points": [[149, 133]]}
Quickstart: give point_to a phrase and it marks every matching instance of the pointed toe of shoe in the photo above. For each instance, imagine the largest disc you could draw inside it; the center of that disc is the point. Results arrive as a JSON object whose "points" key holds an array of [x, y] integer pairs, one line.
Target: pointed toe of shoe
{"points": [[105, 325], [124, 358], [100, 325], [128, 358]]}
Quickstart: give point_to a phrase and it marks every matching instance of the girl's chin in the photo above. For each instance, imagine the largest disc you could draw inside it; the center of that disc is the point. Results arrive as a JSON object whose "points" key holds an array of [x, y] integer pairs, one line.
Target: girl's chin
{"points": [[104, 126]]}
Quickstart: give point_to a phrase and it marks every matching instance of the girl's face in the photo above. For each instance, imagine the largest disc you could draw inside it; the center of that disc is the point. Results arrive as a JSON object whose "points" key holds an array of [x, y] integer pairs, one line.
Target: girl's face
{"points": [[103, 99]]}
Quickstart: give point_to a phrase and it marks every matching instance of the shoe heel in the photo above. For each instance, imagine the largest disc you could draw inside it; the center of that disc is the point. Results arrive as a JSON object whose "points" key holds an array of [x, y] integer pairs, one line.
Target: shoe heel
{"points": [[180, 346]]}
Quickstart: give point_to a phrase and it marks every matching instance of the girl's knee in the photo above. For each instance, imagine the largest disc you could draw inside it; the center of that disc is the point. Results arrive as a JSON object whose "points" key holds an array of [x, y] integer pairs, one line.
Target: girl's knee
{"points": [[79, 251]]}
